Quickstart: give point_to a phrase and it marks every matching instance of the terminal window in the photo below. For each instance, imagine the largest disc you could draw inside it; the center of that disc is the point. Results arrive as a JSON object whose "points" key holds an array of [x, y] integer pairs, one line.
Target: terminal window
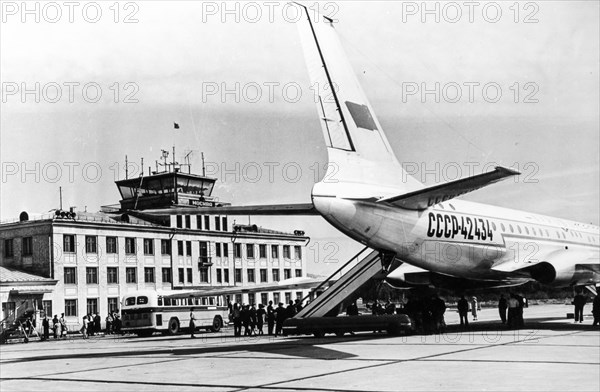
{"points": [[130, 275], [275, 275], [181, 275], [287, 274], [251, 278], [188, 222], [274, 252], [92, 306], [224, 224], [165, 247], [204, 275], [226, 276], [130, 246], [180, 248], [112, 275], [91, 275], [237, 251], [218, 249], [217, 223], [70, 307], [69, 243], [263, 275], [111, 245], [188, 248], [47, 306], [9, 248], [113, 305], [166, 275], [27, 248], [70, 275], [298, 252], [264, 298], [149, 274], [262, 251], [148, 246], [250, 251], [219, 276], [225, 250], [207, 222], [238, 275], [298, 273], [91, 245], [189, 275], [286, 251]]}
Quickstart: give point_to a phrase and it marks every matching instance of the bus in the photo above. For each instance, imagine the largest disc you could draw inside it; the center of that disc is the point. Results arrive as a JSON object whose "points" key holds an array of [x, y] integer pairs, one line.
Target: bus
{"points": [[146, 312]]}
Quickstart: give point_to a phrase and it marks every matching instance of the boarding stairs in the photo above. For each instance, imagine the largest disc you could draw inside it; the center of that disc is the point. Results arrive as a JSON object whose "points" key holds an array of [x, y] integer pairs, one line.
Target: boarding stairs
{"points": [[352, 278]]}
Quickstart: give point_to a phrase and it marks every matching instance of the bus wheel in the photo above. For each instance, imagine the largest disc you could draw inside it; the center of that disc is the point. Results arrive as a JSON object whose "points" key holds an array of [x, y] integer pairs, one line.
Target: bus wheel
{"points": [[319, 334], [173, 326], [339, 334], [216, 324]]}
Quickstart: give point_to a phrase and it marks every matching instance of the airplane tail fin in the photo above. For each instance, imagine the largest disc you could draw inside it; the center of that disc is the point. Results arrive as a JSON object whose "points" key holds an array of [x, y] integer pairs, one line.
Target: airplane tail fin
{"points": [[362, 163]]}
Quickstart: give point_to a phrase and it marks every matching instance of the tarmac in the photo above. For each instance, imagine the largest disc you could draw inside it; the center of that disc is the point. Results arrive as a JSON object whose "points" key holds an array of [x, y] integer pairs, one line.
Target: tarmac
{"points": [[551, 353]]}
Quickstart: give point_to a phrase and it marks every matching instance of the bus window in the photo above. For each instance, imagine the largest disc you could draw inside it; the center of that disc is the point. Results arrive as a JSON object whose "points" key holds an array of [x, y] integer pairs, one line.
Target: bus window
{"points": [[203, 300], [196, 301], [130, 301], [142, 300], [211, 300], [167, 301]]}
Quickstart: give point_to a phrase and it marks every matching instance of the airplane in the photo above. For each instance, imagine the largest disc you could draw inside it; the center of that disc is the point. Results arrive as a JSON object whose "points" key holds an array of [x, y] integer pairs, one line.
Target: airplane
{"points": [[425, 234]]}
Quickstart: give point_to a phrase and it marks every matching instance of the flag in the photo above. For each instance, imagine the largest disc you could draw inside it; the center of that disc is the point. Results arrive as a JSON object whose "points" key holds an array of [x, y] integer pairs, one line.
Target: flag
{"points": [[175, 125]]}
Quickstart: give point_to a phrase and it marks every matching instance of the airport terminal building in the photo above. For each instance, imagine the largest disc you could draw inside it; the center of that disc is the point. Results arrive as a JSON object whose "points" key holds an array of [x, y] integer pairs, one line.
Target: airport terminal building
{"points": [[78, 263]]}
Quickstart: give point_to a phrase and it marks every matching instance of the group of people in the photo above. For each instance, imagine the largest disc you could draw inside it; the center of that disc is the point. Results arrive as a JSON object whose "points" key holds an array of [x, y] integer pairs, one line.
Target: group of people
{"points": [[579, 302], [511, 310], [91, 324], [252, 320], [425, 312]]}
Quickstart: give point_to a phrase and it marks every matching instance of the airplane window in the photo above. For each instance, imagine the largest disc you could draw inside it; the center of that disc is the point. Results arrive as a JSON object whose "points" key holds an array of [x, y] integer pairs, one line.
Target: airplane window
{"points": [[534, 232], [526, 230], [451, 206], [493, 226], [441, 206], [547, 234], [519, 228], [564, 236], [557, 234], [511, 228], [502, 226]]}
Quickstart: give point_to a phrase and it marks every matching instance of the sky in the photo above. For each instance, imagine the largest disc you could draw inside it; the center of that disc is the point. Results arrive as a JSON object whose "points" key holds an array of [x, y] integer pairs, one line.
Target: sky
{"points": [[83, 87]]}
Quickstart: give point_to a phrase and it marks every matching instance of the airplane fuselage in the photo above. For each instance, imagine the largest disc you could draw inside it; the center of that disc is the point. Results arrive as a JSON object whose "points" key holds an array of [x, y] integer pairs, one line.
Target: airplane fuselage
{"points": [[471, 240]]}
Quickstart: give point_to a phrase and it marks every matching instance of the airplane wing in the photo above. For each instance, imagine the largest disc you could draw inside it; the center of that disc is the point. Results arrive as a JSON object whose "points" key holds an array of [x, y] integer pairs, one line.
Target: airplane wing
{"points": [[427, 197], [272, 209]]}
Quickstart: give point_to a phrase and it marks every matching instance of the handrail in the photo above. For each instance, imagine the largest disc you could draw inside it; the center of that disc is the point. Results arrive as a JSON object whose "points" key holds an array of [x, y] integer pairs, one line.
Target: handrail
{"points": [[336, 272]]}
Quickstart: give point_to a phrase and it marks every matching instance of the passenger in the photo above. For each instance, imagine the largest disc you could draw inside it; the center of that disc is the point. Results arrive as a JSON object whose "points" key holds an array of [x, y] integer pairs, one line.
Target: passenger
{"points": [[352, 309], [374, 308], [579, 301], [463, 309], [109, 323], [46, 328], [84, 327], [90, 325], [438, 310], [521, 301], [63, 325], [117, 324], [97, 323], [270, 318], [260, 318], [192, 323], [252, 314], [596, 310], [55, 326], [474, 305], [390, 308], [245, 317], [280, 316], [290, 310], [298, 305], [513, 310], [502, 306], [237, 320]]}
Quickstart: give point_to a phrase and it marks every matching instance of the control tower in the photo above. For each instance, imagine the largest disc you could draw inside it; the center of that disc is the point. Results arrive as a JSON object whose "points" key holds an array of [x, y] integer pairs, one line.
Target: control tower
{"points": [[169, 188]]}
